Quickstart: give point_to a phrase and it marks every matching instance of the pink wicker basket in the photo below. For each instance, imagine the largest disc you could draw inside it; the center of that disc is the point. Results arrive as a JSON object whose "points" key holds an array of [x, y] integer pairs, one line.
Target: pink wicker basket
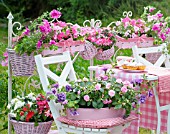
{"points": [[153, 57], [89, 51], [29, 128], [22, 65], [105, 55]]}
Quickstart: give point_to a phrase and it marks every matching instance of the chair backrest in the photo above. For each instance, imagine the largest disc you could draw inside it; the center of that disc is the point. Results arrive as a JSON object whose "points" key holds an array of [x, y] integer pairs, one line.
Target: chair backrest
{"points": [[164, 58], [45, 73]]}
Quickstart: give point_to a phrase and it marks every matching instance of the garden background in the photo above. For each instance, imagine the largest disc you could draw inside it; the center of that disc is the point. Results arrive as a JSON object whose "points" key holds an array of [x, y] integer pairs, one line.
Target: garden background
{"points": [[74, 11]]}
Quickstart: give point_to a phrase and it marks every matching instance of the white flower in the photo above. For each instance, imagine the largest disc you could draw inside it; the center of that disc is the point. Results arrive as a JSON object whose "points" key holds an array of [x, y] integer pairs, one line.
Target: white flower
{"points": [[9, 106], [118, 23], [13, 101], [85, 79], [31, 96], [30, 103], [19, 104]]}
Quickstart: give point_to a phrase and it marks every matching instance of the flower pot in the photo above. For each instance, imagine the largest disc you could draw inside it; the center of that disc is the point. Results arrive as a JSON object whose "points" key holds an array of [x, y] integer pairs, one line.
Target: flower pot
{"points": [[130, 42], [22, 65], [95, 114], [29, 128], [89, 51], [105, 55]]}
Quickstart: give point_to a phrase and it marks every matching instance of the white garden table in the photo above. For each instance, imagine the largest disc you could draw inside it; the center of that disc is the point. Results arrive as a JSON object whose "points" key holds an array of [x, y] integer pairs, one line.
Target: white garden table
{"points": [[149, 116]]}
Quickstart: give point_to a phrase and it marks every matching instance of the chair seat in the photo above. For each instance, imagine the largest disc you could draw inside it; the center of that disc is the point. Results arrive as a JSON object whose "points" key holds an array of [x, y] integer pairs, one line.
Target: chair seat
{"points": [[99, 124]]}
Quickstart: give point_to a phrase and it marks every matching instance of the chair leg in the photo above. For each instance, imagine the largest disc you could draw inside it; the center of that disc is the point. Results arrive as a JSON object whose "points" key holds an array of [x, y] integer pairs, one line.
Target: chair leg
{"points": [[159, 122], [168, 122]]}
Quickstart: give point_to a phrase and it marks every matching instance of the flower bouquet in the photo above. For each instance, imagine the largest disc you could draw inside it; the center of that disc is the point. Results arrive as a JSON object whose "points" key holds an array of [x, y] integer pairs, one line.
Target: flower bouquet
{"points": [[103, 39], [30, 114], [106, 92]]}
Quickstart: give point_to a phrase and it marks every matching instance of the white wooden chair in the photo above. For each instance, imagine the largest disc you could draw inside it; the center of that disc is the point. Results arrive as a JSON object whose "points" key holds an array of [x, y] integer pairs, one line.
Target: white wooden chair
{"points": [[164, 58], [68, 70]]}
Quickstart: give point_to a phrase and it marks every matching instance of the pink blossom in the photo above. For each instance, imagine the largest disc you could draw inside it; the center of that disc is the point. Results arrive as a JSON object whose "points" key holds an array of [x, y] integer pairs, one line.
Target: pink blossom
{"points": [[4, 63], [107, 101], [126, 83], [163, 37], [105, 78], [39, 43], [127, 19], [111, 93], [108, 85], [159, 15], [124, 89], [79, 92], [156, 27], [55, 14], [65, 102], [97, 86], [5, 54], [52, 42], [133, 22], [86, 98], [151, 9], [62, 24], [118, 23], [119, 80], [27, 31]]}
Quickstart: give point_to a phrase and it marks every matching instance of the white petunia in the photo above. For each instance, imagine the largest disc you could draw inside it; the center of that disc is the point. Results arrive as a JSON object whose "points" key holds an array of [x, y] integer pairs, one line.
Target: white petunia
{"points": [[30, 103], [19, 104], [13, 101], [9, 106], [31, 96]]}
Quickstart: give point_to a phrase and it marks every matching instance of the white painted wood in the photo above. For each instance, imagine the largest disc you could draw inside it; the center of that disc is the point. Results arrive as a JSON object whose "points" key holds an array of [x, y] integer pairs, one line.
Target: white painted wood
{"points": [[164, 58]]}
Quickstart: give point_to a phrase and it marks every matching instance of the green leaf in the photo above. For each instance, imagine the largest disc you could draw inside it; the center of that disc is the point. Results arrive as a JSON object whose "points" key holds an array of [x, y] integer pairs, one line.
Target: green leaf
{"points": [[94, 104], [102, 90], [73, 96], [100, 105], [82, 102], [89, 103], [118, 106]]}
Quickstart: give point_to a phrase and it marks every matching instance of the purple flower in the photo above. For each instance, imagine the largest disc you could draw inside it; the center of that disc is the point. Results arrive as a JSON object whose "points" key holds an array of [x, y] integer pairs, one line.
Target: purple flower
{"points": [[61, 97], [150, 93], [159, 15], [55, 14], [54, 91], [73, 112], [56, 85], [42, 29], [68, 88], [137, 81], [104, 69], [142, 98], [105, 78]]}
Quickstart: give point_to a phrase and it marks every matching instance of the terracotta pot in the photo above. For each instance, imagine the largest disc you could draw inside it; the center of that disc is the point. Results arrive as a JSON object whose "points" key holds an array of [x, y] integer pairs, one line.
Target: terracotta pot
{"points": [[29, 128], [95, 114]]}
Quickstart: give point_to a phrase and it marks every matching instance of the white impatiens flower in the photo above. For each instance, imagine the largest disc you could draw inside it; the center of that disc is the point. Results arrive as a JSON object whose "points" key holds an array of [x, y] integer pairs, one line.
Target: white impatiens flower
{"points": [[9, 106], [31, 96], [13, 101], [19, 104], [30, 103]]}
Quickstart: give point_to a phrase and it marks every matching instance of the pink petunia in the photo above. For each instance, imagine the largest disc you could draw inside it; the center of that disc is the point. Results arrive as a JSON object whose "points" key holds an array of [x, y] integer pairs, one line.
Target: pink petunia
{"points": [[27, 31], [55, 14], [86, 98], [151, 9], [124, 89], [97, 86], [111, 93], [126, 83], [39, 43], [5, 54], [52, 42], [119, 80], [108, 85]]}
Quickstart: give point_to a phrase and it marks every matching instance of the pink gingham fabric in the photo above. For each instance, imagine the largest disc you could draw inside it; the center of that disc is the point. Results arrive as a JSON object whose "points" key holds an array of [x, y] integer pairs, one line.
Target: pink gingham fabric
{"points": [[148, 118], [102, 123], [163, 78]]}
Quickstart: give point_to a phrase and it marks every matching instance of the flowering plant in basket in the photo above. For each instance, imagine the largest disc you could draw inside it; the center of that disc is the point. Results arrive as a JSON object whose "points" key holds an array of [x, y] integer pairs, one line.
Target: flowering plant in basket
{"points": [[105, 91], [46, 32], [157, 24], [30, 108], [101, 38]]}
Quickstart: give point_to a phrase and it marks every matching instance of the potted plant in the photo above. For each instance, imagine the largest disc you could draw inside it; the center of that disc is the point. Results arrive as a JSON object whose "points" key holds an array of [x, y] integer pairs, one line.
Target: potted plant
{"points": [[106, 97], [30, 114], [44, 33], [103, 39]]}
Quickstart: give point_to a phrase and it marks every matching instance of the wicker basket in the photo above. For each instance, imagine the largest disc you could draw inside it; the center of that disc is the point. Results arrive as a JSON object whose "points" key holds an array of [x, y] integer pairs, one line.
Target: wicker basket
{"points": [[22, 65], [29, 128], [105, 55], [153, 57], [89, 51]]}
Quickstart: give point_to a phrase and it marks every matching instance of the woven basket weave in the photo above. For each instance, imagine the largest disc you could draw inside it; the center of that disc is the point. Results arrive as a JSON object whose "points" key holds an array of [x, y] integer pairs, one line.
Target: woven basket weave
{"points": [[153, 57], [28, 127], [89, 51], [22, 65], [105, 55]]}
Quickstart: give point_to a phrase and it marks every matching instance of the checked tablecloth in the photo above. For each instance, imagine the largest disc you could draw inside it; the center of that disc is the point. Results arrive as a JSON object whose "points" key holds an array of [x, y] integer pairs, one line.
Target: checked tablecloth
{"points": [[148, 119]]}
